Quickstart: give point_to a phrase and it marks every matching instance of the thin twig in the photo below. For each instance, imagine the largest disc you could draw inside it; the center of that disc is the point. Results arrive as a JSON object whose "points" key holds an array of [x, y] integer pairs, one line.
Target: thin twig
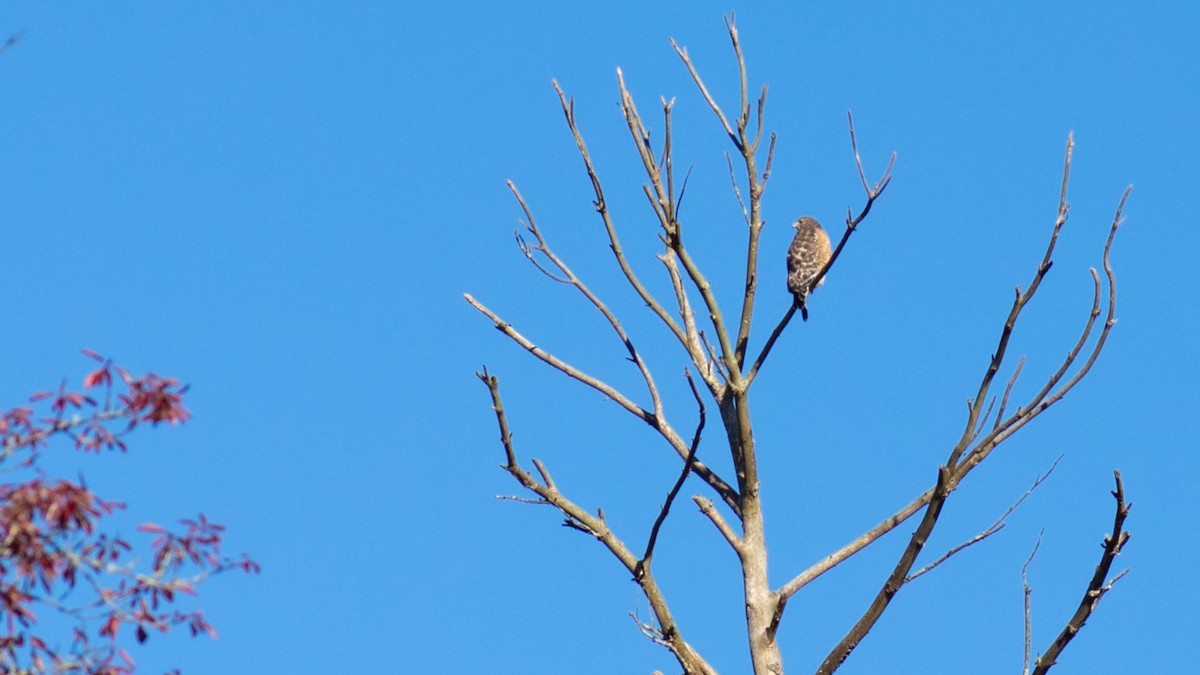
{"points": [[707, 508], [1008, 390], [995, 527], [983, 419], [737, 193], [1028, 602], [562, 366], [712, 103], [695, 344], [522, 500], [873, 192]]}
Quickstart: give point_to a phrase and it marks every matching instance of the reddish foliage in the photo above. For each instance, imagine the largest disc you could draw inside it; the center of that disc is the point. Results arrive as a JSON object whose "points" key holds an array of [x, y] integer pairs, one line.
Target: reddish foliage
{"points": [[50, 541]]}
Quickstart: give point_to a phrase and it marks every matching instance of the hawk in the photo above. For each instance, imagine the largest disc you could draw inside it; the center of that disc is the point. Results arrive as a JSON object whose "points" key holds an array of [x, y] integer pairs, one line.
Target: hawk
{"points": [[808, 254]]}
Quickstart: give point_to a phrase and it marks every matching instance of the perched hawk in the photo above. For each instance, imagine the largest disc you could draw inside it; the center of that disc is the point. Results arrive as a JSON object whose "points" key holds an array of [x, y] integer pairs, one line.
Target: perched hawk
{"points": [[808, 253]]}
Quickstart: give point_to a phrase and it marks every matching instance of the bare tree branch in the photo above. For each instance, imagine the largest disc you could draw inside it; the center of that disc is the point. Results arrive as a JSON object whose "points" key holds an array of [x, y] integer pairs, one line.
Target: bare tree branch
{"points": [[895, 580], [1043, 400], [951, 473], [747, 146], [979, 449], [762, 355], [1028, 592], [737, 192], [1022, 299], [712, 103], [707, 508], [852, 223], [1097, 587], [984, 447], [601, 204], [565, 275], [859, 543], [562, 366], [995, 527], [673, 233], [644, 563], [1008, 390], [694, 338], [596, 526], [728, 494]]}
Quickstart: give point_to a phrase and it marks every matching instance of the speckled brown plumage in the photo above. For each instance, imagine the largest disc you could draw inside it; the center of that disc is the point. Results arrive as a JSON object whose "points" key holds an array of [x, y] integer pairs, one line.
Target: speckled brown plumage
{"points": [[809, 252]]}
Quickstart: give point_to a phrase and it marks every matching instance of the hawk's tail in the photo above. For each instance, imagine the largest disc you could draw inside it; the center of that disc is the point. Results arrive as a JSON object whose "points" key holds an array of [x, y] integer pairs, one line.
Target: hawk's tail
{"points": [[798, 300]]}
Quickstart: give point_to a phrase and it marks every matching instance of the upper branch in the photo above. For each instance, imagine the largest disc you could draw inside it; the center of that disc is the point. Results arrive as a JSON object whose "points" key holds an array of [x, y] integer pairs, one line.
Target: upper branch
{"points": [[873, 193], [747, 144], [568, 106], [1048, 396], [1019, 303], [660, 193], [952, 472], [672, 232], [570, 278], [852, 222]]}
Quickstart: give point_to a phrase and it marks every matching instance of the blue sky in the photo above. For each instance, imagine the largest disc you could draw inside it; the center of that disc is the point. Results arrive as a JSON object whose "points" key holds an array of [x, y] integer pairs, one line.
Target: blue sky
{"points": [[283, 207]]}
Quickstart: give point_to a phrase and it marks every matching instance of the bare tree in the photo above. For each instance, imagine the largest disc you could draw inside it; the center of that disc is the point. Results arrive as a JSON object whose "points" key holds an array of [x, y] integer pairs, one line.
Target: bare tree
{"points": [[722, 367]]}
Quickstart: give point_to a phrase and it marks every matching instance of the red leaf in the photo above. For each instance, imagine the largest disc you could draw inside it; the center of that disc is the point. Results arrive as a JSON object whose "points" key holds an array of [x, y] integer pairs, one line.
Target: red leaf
{"points": [[97, 376], [110, 627]]}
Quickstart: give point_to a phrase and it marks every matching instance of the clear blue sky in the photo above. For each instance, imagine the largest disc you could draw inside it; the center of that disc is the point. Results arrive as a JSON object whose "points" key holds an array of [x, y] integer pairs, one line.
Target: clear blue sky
{"points": [[283, 207]]}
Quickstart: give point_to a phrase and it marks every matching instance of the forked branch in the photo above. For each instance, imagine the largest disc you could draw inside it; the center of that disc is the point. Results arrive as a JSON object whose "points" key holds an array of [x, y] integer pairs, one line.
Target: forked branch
{"points": [[747, 143], [581, 519], [601, 204], [566, 276], [672, 232], [727, 492]]}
